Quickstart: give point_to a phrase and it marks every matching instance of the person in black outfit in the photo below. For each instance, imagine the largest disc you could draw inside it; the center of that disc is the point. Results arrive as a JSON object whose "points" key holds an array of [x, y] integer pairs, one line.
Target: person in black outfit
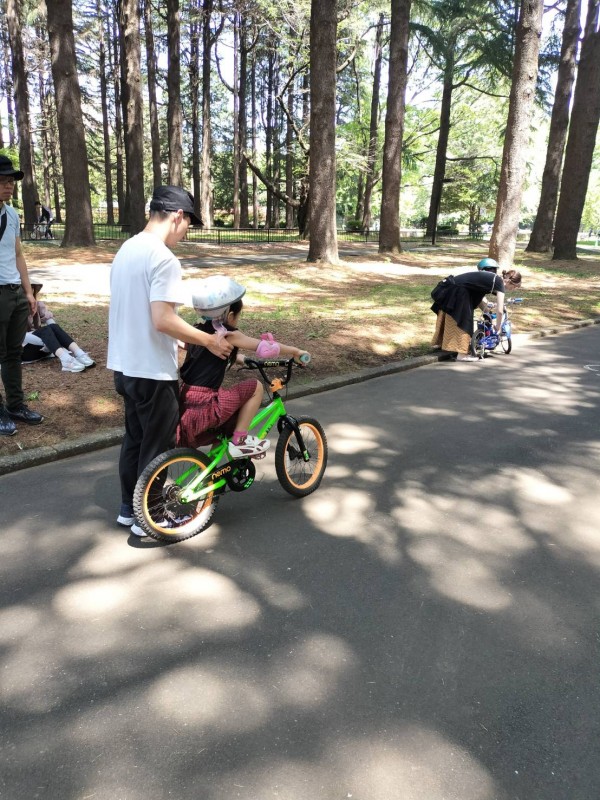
{"points": [[455, 299], [44, 214]]}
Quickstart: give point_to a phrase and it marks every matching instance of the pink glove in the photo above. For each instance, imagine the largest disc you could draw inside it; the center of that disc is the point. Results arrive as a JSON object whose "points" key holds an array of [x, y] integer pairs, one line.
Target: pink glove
{"points": [[268, 347]]}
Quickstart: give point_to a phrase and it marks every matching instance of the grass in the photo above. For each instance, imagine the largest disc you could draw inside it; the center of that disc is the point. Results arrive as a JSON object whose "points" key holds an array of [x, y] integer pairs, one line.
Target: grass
{"points": [[349, 316]]}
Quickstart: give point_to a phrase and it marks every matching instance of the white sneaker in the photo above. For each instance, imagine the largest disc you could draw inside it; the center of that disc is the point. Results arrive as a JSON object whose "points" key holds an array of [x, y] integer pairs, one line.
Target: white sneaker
{"points": [[252, 446], [137, 531], [72, 365], [84, 358]]}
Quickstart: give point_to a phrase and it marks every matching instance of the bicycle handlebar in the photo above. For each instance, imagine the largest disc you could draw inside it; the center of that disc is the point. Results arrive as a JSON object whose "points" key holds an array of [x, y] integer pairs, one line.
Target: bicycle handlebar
{"points": [[265, 363]]}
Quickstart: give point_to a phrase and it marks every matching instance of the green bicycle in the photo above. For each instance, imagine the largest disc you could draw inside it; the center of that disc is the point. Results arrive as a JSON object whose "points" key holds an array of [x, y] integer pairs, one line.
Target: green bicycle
{"points": [[176, 495]]}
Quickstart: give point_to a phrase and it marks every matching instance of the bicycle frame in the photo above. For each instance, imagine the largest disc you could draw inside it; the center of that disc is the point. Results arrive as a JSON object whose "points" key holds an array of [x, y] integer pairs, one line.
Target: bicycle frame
{"points": [[491, 339], [273, 413]]}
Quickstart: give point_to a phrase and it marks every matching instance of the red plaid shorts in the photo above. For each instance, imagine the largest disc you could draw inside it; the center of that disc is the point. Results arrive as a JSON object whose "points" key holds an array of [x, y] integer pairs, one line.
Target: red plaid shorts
{"points": [[205, 412]]}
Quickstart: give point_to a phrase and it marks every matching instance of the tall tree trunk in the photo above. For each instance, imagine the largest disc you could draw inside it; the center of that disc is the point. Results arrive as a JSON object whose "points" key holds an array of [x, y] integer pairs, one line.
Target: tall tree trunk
{"points": [[254, 136], [110, 212], [579, 153], [79, 228], [242, 123], [206, 199], [323, 63], [540, 240], [134, 120], [269, 132], [389, 234], [152, 102], [289, 157], [44, 117], [195, 104], [19, 74], [514, 157], [373, 129], [174, 113], [439, 171], [236, 120], [55, 165], [115, 61], [276, 210], [8, 84]]}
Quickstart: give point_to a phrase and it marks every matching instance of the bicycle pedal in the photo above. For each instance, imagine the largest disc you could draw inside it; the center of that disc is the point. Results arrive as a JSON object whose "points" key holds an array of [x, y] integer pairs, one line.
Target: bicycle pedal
{"points": [[258, 455]]}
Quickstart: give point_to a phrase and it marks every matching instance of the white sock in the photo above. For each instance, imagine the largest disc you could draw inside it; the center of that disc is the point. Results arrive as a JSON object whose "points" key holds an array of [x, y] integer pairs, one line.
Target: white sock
{"points": [[65, 357], [77, 351]]}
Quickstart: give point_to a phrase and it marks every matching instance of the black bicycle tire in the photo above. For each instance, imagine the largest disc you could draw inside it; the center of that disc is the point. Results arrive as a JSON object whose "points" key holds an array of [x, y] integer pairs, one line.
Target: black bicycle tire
{"points": [[143, 514], [506, 343], [477, 348], [314, 436]]}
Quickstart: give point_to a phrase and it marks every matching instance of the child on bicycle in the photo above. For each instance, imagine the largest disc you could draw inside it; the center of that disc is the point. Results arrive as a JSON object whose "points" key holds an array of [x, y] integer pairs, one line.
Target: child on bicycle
{"points": [[205, 406]]}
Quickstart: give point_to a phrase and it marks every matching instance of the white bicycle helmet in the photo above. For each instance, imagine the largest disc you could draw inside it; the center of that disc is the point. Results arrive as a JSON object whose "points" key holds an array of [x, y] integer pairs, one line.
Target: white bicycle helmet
{"points": [[212, 297]]}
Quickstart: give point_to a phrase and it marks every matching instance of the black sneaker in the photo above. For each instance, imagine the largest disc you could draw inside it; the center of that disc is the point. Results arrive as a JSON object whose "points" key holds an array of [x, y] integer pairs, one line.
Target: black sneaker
{"points": [[23, 414], [7, 426]]}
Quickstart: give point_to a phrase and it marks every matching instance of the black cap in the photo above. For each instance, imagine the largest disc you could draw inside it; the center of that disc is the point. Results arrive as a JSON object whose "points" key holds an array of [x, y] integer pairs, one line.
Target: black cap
{"points": [[6, 168], [173, 198]]}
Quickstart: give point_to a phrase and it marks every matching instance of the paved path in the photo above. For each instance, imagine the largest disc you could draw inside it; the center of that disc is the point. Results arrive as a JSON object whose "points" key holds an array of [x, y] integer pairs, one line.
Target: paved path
{"points": [[425, 626]]}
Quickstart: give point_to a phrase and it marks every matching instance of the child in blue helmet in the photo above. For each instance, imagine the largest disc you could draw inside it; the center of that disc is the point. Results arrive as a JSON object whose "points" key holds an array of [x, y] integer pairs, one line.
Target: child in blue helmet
{"points": [[205, 406]]}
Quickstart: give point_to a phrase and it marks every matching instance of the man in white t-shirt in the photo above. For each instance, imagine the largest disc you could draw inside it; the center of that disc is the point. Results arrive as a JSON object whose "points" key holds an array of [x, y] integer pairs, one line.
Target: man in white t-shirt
{"points": [[143, 328], [16, 303]]}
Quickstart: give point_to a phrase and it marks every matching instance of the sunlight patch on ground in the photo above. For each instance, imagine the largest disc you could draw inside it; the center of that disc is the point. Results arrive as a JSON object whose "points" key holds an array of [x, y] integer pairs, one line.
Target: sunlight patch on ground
{"points": [[215, 699], [404, 763], [463, 547], [349, 439], [227, 699], [353, 515], [537, 488], [108, 557], [17, 622], [277, 593], [196, 598], [92, 598]]}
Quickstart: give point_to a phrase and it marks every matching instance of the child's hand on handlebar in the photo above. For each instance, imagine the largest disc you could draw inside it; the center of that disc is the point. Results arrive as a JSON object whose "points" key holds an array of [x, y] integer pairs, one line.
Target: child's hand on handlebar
{"points": [[302, 357]]}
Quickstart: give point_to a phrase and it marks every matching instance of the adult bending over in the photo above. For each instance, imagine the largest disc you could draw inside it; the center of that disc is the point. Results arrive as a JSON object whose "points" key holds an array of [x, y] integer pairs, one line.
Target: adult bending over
{"points": [[146, 287], [455, 299]]}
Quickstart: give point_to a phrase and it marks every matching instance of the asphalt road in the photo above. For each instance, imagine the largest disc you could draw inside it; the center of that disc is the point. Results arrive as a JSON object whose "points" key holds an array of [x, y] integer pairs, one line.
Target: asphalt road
{"points": [[423, 627]]}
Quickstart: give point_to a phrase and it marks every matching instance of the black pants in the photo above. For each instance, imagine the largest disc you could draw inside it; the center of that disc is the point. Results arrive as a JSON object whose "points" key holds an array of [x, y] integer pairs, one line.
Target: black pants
{"points": [[14, 310], [54, 337], [151, 418]]}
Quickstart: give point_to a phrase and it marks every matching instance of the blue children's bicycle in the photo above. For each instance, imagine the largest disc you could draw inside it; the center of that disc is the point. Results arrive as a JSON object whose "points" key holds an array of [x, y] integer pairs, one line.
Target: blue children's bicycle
{"points": [[485, 337]]}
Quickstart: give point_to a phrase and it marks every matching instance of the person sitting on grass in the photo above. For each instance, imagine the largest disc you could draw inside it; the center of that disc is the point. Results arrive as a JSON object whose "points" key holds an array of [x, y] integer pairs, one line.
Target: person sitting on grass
{"points": [[45, 338], [206, 408]]}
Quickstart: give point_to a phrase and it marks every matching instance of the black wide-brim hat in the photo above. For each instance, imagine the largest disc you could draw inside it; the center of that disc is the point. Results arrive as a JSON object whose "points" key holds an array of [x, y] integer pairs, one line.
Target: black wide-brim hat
{"points": [[6, 168]]}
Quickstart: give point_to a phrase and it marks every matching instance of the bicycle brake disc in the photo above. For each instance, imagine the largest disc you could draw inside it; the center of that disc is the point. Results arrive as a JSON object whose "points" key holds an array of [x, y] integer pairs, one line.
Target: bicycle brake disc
{"points": [[241, 476]]}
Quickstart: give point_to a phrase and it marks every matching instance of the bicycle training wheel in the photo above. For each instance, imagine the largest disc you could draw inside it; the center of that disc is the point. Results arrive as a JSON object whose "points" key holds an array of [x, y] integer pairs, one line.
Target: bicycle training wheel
{"points": [[505, 343], [157, 502], [297, 476], [477, 346]]}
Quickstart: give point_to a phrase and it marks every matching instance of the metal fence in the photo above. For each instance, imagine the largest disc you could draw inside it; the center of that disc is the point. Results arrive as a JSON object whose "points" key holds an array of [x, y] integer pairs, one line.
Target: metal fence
{"points": [[220, 235]]}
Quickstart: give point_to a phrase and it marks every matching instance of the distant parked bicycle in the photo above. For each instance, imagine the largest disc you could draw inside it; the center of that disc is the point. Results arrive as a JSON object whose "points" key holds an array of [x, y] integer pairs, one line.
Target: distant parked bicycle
{"points": [[39, 231], [485, 337]]}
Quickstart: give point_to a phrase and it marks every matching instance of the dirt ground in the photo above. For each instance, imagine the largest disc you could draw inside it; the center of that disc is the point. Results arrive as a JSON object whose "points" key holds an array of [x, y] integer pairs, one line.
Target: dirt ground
{"points": [[361, 313]]}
